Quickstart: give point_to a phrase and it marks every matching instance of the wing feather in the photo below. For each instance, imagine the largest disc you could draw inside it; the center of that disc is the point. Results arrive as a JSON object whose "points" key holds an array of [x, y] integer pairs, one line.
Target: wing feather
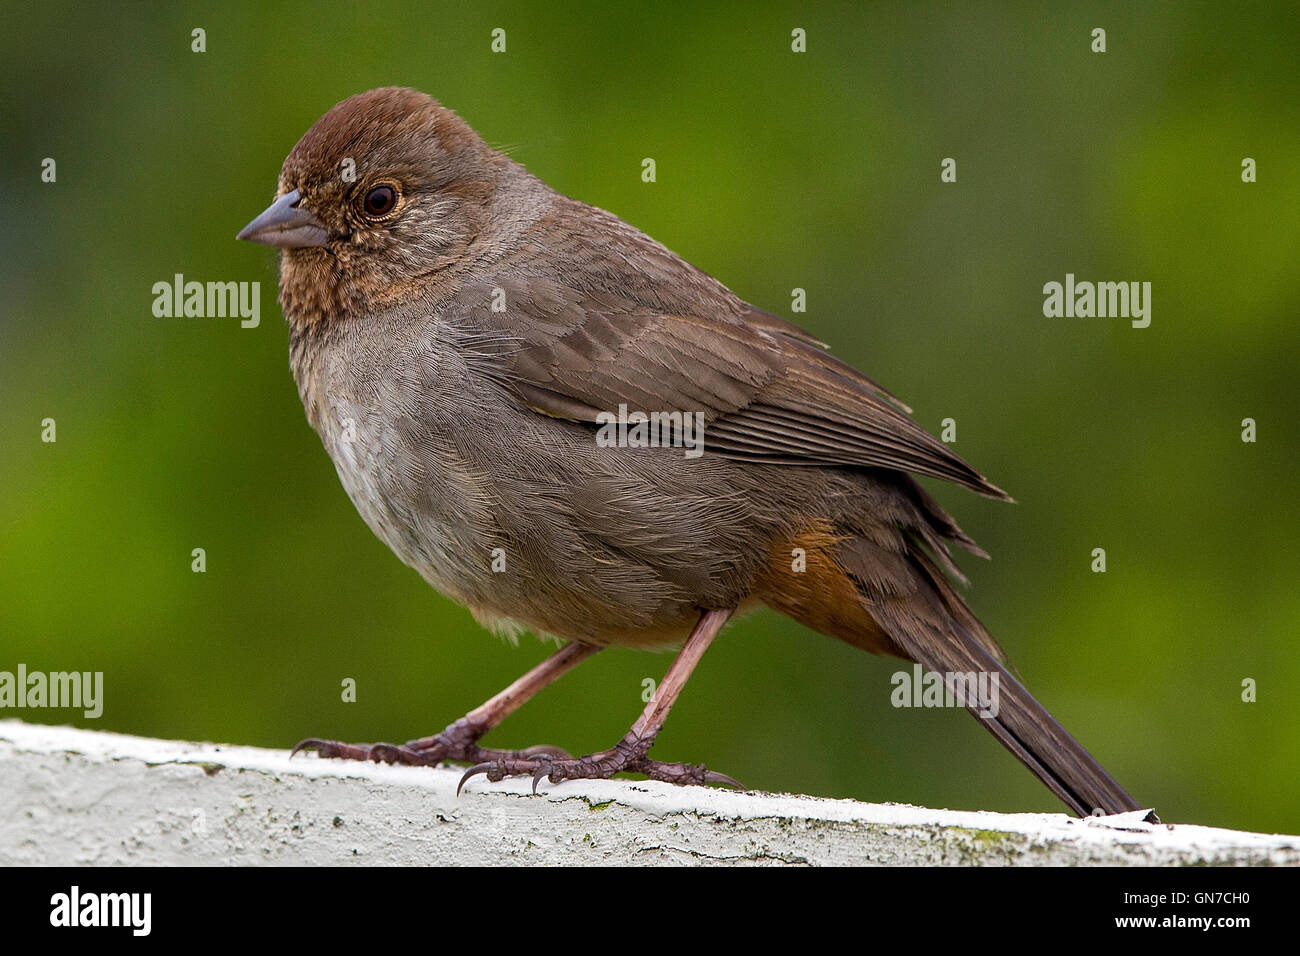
{"points": [[767, 391]]}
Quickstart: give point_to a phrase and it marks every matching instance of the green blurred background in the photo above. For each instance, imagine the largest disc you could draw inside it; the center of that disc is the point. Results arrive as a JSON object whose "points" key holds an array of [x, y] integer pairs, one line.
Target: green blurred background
{"points": [[776, 170]]}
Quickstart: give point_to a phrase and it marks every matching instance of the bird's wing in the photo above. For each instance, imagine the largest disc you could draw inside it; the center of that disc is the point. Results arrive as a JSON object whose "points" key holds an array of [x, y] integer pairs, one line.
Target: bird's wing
{"points": [[766, 391]]}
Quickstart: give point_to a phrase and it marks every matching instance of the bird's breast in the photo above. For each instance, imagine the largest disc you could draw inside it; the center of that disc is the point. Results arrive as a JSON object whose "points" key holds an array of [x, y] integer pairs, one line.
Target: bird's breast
{"points": [[381, 417]]}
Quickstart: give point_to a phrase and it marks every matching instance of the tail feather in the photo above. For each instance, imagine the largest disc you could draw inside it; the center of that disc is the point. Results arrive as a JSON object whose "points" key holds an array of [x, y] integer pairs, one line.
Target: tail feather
{"points": [[907, 601], [1022, 724], [882, 588]]}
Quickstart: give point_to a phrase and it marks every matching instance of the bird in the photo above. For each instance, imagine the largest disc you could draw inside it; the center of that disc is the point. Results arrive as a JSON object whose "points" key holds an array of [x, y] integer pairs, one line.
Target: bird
{"points": [[509, 383]]}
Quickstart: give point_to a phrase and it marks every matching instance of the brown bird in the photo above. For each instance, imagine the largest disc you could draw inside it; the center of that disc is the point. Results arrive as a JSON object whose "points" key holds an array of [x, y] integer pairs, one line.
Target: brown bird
{"points": [[460, 335]]}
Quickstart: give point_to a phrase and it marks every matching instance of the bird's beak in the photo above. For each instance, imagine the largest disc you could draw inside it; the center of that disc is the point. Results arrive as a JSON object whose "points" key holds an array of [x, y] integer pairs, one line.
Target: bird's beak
{"points": [[285, 225]]}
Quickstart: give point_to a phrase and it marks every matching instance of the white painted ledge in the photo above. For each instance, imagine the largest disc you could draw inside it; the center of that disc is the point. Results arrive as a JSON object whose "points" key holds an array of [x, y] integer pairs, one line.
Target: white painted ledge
{"points": [[75, 797]]}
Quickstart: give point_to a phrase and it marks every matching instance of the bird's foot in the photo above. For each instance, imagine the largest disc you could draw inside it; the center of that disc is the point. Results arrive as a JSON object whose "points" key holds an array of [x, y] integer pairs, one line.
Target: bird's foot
{"points": [[627, 756], [459, 742]]}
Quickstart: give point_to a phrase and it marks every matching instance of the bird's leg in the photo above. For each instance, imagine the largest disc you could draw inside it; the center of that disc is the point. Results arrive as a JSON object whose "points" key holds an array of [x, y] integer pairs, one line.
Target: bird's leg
{"points": [[629, 754], [460, 740]]}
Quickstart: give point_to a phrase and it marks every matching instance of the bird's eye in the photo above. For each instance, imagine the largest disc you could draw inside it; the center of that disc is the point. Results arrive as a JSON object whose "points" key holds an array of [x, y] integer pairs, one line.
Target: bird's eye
{"points": [[380, 201]]}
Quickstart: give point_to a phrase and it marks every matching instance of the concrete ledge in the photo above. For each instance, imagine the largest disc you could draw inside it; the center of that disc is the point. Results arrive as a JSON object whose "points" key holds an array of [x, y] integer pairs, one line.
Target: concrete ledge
{"points": [[82, 797]]}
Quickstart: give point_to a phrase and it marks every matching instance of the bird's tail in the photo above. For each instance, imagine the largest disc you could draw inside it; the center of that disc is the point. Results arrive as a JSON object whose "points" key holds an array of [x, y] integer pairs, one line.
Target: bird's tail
{"points": [[1020, 722], [890, 597]]}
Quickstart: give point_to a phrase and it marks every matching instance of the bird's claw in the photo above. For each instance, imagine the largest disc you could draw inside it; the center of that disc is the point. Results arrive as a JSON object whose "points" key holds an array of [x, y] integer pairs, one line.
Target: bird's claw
{"points": [[628, 756], [489, 767], [712, 776], [541, 761], [392, 753], [332, 749], [452, 744]]}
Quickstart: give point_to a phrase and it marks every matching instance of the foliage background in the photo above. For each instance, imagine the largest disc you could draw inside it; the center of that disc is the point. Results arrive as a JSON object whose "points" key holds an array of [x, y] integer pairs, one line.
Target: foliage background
{"points": [[775, 170]]}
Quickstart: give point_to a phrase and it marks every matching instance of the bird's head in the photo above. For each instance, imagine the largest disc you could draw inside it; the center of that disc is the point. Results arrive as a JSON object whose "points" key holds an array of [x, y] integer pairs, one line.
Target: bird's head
{"points": [[386, 188]]}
